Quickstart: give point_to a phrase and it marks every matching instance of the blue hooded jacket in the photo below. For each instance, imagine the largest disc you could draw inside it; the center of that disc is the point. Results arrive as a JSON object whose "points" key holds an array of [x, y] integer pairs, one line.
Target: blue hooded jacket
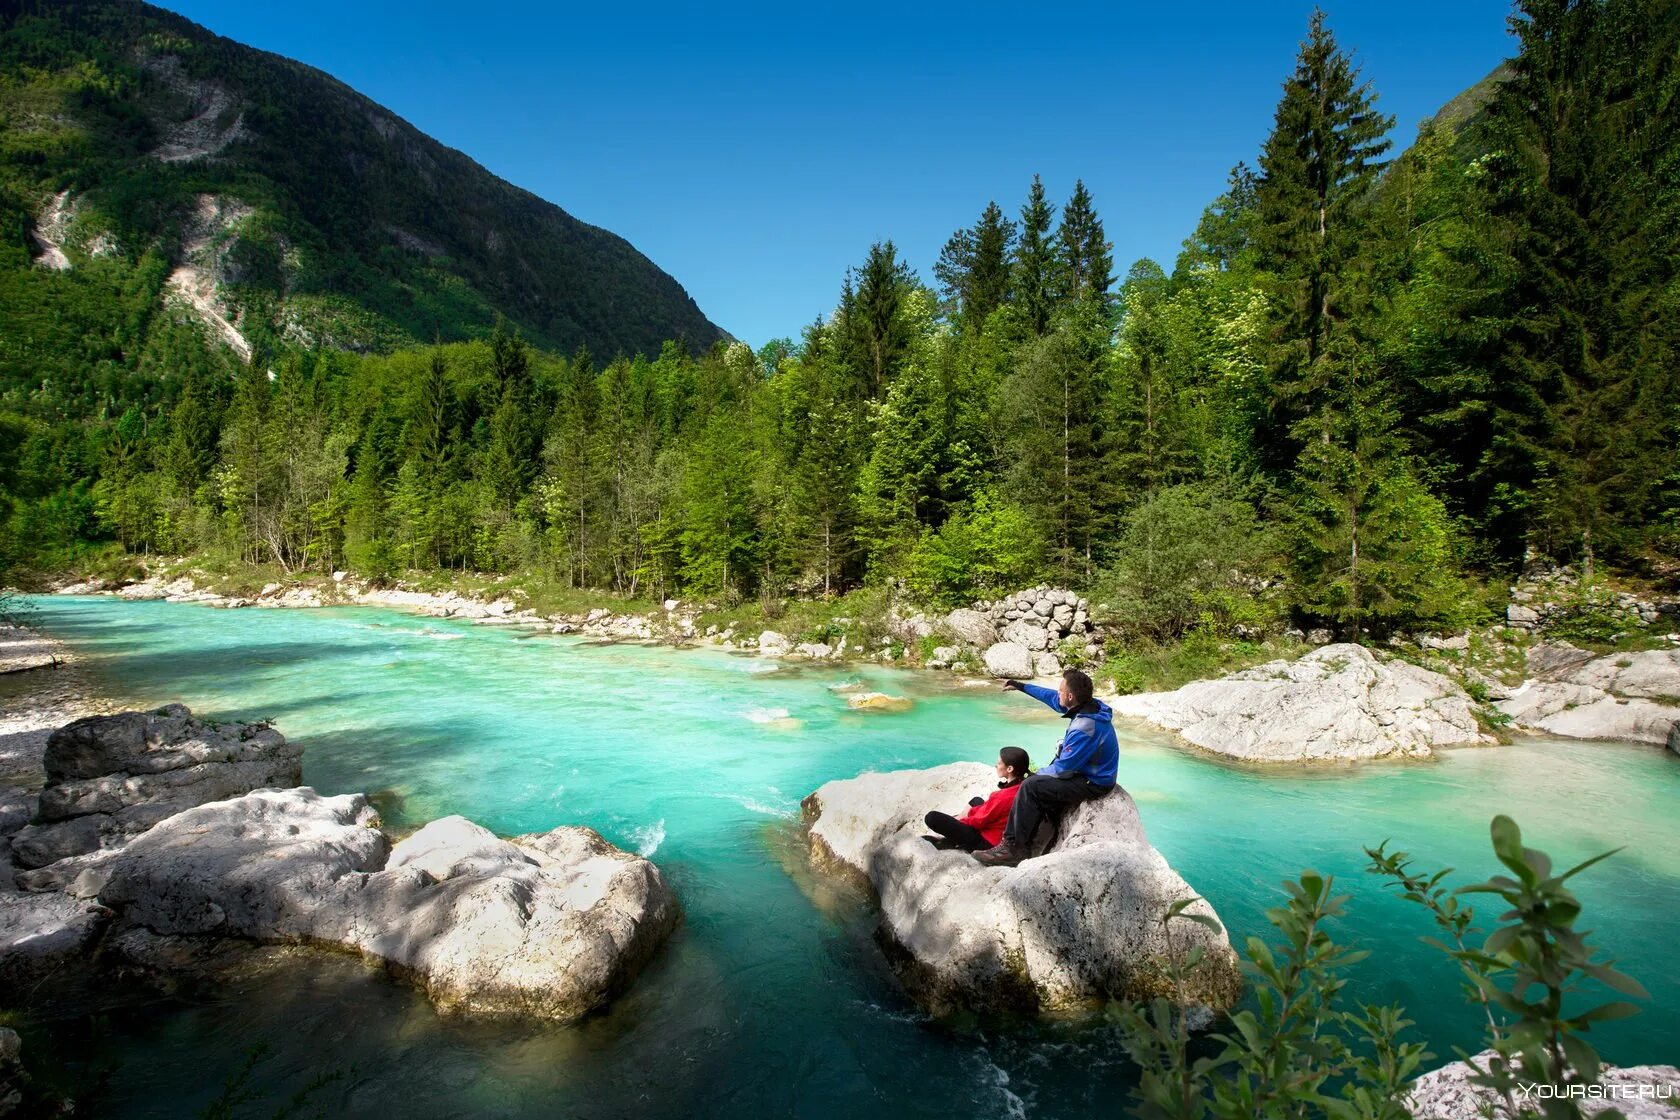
{"points": [[1089, 747]]}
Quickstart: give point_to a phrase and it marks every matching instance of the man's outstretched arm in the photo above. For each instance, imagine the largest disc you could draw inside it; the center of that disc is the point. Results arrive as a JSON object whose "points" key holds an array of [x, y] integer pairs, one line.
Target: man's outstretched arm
{"points": [[1046, 696]]}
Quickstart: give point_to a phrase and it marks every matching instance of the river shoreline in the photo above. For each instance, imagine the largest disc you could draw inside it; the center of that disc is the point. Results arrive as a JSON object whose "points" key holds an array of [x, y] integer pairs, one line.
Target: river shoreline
{"points": [[46, 685], [1399, 708]]}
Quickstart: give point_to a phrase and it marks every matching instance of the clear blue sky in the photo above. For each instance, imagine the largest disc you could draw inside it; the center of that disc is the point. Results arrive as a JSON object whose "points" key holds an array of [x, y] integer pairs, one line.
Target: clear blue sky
{"points": [[755, 153]]}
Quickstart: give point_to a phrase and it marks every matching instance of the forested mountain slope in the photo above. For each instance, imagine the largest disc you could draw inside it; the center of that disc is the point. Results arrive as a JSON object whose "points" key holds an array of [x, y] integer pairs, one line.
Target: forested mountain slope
{"points": [[145, 161], [1370, 385]]}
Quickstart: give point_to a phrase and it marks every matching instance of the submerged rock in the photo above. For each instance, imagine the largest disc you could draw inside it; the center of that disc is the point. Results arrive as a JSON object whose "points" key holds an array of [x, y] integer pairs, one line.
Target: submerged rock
{"points": [[1640, 1092], [548, 925], [1627, 696], [110, 778], [878, 702], [1336, 704], [1068, 930]]}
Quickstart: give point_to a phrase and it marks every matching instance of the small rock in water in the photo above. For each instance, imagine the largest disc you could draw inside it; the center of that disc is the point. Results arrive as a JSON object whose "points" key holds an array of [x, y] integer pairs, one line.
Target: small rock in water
{"points": [[878, 702]]}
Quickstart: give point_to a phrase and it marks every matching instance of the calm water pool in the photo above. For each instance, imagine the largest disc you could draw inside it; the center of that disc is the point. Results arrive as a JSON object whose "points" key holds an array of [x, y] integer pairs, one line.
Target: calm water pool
{"points": [[772, 1000]]}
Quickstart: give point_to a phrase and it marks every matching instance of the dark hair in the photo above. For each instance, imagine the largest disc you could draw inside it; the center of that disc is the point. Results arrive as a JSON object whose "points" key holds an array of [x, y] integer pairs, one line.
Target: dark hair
{"points": [[1080, 685], [1016, 759]]}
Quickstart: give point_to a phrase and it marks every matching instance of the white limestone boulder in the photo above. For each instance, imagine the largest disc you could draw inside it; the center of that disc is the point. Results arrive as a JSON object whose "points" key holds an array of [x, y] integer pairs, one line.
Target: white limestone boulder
{"points": [[1007, 659], [548, 926], [109, 778], [972, 627], [1634, 697], [1336, 704], [1639, 1092], [1068, 930]]}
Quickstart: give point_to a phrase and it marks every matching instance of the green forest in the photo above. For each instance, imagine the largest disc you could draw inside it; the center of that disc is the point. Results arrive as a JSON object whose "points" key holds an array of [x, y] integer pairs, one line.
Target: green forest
{"points": [[1371, 383]]}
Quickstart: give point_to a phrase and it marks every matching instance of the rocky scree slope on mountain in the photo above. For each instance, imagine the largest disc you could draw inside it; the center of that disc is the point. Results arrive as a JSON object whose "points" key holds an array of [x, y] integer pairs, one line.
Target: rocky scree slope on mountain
{"points": [[124, 124]]}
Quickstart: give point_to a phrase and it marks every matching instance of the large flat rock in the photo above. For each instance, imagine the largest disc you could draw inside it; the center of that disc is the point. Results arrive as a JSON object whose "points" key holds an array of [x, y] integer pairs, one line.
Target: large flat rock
{"points": [[1634, 697], [1070, 929], [110, 778], [1336, 704], [1639, 1092], [548, 925]]}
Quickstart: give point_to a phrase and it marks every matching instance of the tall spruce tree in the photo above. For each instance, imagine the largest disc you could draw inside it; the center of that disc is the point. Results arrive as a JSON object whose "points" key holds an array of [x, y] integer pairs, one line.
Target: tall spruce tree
{"points": [[1085, 259], [1034, 279], [1318, 166], [974, 266], [876, 334]]}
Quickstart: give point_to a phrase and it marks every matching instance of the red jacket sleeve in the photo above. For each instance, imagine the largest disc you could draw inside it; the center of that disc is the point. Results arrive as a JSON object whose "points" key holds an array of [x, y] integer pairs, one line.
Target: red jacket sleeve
{"points": [[994, 812]]}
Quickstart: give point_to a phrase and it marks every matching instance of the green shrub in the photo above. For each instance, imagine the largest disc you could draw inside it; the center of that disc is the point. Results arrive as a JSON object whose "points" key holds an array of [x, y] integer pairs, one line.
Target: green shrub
{"points": [[1299, 1051], [989, 548], [1187, 558]]}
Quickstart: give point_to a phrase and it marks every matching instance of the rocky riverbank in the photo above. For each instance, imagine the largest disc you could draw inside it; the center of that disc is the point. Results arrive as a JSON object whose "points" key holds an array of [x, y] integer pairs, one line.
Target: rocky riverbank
{"points": [[1340, 703]]}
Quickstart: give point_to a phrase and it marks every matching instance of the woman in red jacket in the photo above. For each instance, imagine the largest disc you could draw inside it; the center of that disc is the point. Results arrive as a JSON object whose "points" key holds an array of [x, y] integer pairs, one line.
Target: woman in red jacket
{"points": [[982, 826]]}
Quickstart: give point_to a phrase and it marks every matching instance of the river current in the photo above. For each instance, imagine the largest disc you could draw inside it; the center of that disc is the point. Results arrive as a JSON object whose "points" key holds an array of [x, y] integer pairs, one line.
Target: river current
{"points": [[772, 999]]}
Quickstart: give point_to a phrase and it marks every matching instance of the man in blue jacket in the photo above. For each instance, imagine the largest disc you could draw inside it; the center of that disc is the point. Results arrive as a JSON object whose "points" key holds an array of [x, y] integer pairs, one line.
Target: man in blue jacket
{"points": [[1084, 768]]}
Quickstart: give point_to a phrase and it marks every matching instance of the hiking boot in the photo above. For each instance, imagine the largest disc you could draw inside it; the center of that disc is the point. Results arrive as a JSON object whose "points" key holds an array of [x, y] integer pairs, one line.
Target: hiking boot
{"points": [[1004, 855], [943, 843]]}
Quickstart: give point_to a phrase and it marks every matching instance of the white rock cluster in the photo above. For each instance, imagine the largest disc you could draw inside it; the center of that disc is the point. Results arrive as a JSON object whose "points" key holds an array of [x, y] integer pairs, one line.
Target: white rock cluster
{"points": [[159, 825], [1570, 692], [1549, 597], [549, 925], [1021, 634], [1336, 704], [1069, 929]]}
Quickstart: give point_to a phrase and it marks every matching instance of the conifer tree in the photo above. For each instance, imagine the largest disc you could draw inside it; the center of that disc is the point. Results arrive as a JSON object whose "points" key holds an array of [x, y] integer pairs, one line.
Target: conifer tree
{"points": [[1145, 419], [1035, 261], [973, 269], [1226, 229], [1318, 165], [569, 459], [875, 332], [994, 245], [1058, 471], [1085, 261], [1586, 142], [428, 432]]}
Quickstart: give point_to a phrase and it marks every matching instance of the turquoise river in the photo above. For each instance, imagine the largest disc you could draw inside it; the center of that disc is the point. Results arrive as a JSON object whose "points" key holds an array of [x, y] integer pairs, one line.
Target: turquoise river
{"points": [[772, 999]]}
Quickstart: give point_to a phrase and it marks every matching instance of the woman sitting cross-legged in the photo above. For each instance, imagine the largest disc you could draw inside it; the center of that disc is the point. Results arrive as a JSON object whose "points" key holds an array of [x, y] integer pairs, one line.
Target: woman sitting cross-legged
{"points": [[982, 826]]}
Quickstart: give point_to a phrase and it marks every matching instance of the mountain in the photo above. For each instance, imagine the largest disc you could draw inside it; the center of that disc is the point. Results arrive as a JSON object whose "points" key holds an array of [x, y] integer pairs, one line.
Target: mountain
{"points": [[275, 205]]}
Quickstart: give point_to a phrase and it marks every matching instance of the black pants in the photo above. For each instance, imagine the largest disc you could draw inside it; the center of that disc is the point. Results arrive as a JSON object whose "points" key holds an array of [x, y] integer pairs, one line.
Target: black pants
{"points": [[965, 836], [1046, 797]]}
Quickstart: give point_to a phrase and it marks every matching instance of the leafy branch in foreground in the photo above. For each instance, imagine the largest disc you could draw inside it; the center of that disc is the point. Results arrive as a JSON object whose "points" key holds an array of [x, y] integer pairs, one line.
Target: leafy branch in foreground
{"points": [[1526, 969], [1298, 1052]]}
